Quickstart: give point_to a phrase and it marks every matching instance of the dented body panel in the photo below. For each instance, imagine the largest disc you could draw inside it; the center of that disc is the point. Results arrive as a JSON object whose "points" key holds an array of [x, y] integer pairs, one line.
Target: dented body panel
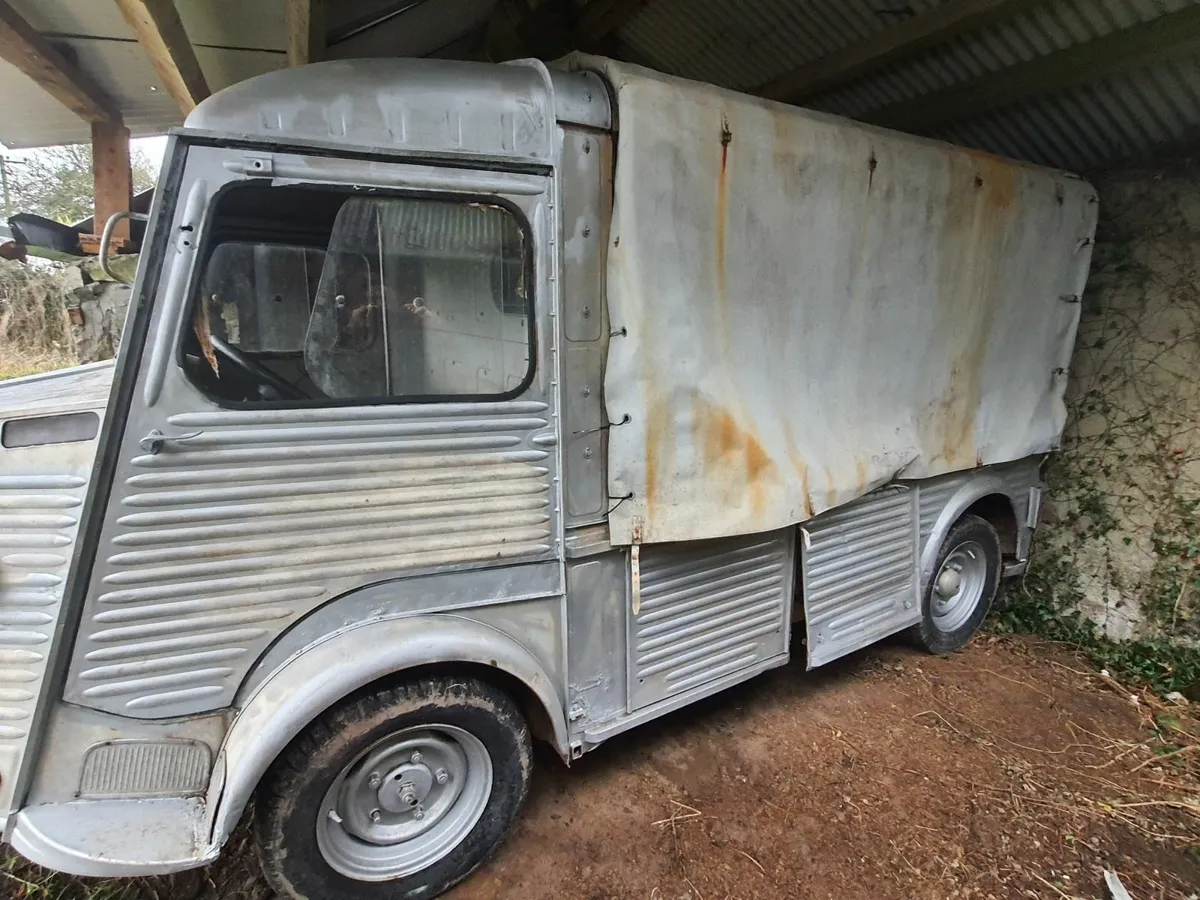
{"points": [[808, 308]]}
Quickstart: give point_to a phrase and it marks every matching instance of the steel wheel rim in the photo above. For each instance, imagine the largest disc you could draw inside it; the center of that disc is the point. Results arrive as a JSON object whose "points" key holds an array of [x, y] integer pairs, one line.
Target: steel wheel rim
{"points": [[958, 586], [404, 803]]}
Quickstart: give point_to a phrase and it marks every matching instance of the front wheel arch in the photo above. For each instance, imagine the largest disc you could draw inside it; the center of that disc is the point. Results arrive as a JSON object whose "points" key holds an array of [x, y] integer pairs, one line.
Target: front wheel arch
{"points": [[325, 673]]}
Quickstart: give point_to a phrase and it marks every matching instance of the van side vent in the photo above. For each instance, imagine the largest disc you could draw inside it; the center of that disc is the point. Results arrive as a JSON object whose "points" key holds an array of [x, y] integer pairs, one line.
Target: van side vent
{"points": [[860, 573], [708, 610], [145, 769]]}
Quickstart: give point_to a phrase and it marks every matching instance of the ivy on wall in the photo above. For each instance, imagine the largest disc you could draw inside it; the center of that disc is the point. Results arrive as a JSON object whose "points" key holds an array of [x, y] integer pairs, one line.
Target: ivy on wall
{"points": [[1117, 561]]}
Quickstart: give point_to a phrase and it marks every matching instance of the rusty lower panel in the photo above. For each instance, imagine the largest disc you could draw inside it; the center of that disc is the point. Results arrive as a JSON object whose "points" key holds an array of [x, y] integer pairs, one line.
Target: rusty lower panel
{"points": [[805, 308]]}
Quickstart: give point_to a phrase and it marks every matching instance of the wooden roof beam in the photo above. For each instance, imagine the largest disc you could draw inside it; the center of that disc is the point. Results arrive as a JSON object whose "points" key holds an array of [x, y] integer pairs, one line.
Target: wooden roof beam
{"points": [[938, 26], [22, 47], [602, 17], [306, 31], [1170, 36], [157, 26]]}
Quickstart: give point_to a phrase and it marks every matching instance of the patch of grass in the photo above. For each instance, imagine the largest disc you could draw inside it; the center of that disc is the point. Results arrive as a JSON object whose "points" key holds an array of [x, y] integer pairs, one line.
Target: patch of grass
{"points": [[22, 880], [17, 365]]}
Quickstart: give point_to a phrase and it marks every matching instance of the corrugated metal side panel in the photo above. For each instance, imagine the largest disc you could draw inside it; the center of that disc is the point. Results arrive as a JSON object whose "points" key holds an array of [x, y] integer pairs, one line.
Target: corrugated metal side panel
{"points": [[222, 541], [707, 610], [933, 496], [41, 494], [860, 573]]}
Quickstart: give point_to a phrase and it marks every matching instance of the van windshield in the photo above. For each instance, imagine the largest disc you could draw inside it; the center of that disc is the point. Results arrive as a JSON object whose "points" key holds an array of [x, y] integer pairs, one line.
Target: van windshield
{"points": [[309, 295]]}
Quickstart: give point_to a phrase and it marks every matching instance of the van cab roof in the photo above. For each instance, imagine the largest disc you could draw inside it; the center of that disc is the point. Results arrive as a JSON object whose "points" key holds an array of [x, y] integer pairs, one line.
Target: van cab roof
{"points": [[437, 106]]}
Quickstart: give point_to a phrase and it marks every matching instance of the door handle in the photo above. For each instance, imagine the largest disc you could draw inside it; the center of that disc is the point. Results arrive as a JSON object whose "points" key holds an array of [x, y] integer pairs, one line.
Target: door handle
{"points": [[154, 442]]}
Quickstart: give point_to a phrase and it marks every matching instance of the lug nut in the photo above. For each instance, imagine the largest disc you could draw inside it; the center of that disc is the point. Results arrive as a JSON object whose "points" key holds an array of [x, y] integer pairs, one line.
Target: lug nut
{"points": [[416, 757], [376, 815], [442, 776], [374, 781], [418, 813]]}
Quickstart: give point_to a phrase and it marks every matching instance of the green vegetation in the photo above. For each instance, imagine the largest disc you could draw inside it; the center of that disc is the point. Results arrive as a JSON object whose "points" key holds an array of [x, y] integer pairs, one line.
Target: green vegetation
{"points": [[57, 182], [1034, 606], [1122, 542], [34, 331]]}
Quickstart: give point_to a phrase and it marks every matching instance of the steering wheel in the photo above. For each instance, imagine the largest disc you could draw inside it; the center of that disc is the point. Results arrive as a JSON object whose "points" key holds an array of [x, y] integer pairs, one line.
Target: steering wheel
{"points": [[256, 371]]}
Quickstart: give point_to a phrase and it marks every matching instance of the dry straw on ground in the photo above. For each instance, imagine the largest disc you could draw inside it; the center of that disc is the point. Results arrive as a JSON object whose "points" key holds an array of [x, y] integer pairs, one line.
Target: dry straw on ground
{"points": [[35, 335]]}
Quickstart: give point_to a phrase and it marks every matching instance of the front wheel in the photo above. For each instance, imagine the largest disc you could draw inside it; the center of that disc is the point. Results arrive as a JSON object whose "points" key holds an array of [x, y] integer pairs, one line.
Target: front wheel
{"points": [[396, 794], [965, 580]]}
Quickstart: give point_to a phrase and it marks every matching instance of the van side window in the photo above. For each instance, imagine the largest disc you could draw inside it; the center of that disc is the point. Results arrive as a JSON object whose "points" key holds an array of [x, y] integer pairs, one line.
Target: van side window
{"points": [[310, 296]]}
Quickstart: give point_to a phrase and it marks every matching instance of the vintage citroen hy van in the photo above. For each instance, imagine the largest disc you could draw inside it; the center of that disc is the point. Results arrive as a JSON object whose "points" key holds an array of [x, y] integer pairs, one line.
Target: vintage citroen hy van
{"points": [[461, 405]]}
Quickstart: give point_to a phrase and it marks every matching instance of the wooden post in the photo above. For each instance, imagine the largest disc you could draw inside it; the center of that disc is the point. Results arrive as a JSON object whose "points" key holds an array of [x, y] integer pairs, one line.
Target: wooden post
{"points": [[305, 21], [113, 177]]}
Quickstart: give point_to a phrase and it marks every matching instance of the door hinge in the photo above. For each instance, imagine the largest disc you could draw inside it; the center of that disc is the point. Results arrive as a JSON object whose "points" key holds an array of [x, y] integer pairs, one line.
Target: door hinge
{"points": [[635, 568]]}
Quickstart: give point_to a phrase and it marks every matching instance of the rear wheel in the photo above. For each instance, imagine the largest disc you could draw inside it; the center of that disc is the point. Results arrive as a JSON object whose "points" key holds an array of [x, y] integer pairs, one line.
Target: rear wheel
{"points": [[964, 584], [396, 794]]}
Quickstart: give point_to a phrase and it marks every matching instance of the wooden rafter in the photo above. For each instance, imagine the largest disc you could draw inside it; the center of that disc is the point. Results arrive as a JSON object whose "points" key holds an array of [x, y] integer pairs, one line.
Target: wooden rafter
{"points": [[939, 25], [24, 48], [157, 26], [1170, 36], [306, 31]]}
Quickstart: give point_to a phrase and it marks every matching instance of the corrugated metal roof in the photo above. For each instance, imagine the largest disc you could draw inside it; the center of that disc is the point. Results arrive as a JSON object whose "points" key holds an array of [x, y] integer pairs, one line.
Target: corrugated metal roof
{"points": [[1080, 128], [746, 44], [742, 45]]}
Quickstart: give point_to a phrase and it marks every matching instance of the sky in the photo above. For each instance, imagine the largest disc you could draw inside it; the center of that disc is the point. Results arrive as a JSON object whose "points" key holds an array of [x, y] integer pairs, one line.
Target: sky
{"points": [[153, 147]]}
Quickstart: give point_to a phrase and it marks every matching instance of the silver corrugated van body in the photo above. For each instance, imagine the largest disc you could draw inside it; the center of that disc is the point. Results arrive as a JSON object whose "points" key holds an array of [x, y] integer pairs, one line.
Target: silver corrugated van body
{"points": [[465, 404]]}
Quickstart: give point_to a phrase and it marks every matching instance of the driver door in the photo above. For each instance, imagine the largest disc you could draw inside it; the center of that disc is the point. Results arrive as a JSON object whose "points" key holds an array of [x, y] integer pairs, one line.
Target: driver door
{"points": [[341, 383]]}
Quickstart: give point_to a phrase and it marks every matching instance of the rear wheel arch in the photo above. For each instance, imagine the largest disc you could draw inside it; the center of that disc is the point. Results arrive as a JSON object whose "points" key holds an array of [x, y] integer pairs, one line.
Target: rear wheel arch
{"points": [[987, 493], [365, 658], [998, 511]]}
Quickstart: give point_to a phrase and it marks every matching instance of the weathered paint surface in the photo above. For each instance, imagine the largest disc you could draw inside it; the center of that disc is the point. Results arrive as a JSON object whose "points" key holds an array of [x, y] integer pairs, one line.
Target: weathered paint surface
{"points": [[41, 497], [219, 546], [813, 307]]}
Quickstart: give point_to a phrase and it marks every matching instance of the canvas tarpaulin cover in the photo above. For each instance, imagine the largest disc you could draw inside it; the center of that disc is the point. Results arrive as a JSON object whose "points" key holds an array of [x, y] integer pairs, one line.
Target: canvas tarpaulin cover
{"points": [[805, 308]]}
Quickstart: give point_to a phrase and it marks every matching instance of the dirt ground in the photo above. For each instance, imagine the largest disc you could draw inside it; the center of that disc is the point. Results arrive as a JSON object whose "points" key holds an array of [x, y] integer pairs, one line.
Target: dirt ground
{"points": [[1010, 769]]}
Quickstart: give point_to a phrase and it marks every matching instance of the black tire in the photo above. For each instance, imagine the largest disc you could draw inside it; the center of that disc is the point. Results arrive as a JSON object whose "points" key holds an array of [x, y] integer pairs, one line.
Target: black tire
{"points": [[291, 794], [968, 530]]}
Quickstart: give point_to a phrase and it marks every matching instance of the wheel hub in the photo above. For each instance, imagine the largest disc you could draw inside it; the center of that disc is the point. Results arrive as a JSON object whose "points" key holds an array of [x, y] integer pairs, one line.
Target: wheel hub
{"points": [[404, 803], [405, 787], [948, 582], [959, 586]]}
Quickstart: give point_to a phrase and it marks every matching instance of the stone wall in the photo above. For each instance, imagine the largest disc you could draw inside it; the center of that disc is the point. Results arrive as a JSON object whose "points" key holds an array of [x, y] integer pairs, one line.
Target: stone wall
{"points": [[1121, 541], [96, 307]]}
